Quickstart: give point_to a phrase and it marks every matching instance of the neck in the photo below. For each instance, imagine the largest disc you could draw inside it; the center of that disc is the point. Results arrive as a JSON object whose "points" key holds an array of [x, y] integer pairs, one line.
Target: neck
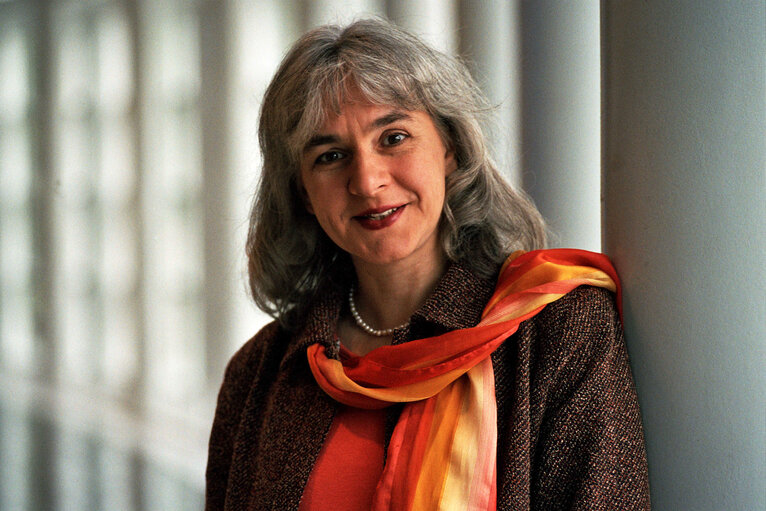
{"points": [[388, 295]]}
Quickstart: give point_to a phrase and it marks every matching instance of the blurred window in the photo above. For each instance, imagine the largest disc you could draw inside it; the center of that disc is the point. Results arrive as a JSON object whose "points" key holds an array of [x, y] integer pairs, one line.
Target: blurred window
{"points": [[122, 230]]}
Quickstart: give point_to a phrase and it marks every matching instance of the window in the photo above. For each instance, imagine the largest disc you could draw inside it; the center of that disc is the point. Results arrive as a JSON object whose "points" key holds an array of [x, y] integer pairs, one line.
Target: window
{"points": [[128, 159]]}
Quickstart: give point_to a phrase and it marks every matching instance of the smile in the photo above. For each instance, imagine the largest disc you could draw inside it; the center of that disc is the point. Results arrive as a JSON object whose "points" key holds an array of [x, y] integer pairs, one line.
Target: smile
{"points": [[382, 215], [381, 218]]}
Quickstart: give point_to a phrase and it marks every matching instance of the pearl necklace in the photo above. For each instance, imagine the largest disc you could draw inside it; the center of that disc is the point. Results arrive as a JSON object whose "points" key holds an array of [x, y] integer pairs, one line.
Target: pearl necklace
{"points": [[363, 325]]}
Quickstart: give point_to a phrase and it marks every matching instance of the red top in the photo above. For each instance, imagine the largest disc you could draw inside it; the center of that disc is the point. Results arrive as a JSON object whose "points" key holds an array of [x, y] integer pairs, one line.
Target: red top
{"points": [[350, 463]]}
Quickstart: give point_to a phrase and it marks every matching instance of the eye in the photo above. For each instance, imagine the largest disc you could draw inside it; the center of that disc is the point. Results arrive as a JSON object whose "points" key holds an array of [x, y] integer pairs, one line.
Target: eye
{"points": [[329, 157], [396, 138]]}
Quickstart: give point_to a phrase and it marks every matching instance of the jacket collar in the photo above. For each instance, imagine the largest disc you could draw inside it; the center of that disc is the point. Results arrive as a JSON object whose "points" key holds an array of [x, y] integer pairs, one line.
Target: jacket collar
{"points": [[457, 302]]}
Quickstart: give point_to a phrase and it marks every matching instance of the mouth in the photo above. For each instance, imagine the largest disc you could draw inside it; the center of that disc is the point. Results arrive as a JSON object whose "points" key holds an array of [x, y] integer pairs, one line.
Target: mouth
{"points": [[380, 218], [380, 215]]}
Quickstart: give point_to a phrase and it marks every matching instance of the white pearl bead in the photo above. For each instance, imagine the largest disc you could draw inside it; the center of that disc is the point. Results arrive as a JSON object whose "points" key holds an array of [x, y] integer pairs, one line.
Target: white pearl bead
{"points": [[362, 324]]}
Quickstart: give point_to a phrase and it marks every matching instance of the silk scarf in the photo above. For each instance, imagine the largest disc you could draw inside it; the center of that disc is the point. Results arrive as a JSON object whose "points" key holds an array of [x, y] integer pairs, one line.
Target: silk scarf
{"points": [[442, 454]]}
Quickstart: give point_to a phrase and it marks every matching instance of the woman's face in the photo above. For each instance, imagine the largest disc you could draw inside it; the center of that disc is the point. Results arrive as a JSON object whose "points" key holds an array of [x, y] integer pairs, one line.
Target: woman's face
{"points": [[374, 177]]}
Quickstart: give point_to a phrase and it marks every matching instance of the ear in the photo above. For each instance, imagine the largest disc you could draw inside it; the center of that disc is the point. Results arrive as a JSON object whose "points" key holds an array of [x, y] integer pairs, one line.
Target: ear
{"points": [[450, 161]]}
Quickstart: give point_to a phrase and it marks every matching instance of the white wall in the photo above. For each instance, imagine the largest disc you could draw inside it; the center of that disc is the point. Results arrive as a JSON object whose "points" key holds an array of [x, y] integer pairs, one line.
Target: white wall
{"points": [[684, 210]]}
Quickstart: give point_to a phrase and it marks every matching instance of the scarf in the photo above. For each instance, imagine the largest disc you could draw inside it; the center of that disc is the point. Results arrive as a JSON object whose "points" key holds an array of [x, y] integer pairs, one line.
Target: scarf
{"points": [[442, 454]]}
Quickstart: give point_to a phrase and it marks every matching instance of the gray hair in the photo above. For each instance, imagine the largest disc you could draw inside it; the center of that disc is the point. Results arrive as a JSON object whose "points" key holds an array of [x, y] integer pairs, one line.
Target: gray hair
{"points": [[290, 258]]}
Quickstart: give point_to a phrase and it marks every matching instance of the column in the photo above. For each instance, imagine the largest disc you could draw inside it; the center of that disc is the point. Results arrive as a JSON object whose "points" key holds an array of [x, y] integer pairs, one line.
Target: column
{"points": [[219, 252], [339, 12], [134, 13], [684, 180], [43, 191], [42, 431], [489, 41], [560, 117], [432, 20]]}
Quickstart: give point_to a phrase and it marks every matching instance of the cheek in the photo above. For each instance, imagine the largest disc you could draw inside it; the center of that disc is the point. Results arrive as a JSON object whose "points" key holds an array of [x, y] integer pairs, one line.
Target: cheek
{"points": [[316, 196], [325, 204], [432, 183]]}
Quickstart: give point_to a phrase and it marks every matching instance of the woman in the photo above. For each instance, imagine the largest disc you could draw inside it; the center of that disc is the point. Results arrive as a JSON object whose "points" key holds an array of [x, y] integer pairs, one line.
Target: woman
{"points": [[408, 366]]}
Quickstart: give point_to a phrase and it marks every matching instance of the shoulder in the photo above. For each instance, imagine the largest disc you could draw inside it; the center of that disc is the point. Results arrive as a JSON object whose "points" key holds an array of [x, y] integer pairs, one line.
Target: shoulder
{"points": [[256, 345], [256, 361], [567, 369], [241, 380], [576, 337], [569, 333], [252, 366], [248, 360], [578, 315]]}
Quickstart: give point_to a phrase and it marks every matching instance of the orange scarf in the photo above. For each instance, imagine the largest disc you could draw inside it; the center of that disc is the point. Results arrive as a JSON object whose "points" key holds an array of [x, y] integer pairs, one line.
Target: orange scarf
{"points": [[442, 455]]}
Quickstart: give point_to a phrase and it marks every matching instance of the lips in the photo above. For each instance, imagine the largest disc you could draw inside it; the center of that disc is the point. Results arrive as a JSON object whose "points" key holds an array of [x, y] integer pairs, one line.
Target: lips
{"points": [[378, 218], [382, 214]]}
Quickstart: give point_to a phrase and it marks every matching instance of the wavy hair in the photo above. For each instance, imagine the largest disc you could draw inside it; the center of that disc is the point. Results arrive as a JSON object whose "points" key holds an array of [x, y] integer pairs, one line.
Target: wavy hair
{"points": [[290, 258]]}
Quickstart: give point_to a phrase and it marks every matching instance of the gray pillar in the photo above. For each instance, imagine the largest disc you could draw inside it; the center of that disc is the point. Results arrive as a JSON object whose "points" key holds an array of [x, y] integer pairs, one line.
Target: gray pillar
{"points": [[684, 210], [489, 41], [44, 190], [433, 20], [43, 434], [139, 305], [341, 12], [219, 288], [561, 122]]}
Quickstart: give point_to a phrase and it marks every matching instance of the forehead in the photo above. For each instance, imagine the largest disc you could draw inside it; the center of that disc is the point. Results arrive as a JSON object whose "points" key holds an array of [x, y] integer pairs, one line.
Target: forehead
{"points": [[365, 115], [352, 105]]}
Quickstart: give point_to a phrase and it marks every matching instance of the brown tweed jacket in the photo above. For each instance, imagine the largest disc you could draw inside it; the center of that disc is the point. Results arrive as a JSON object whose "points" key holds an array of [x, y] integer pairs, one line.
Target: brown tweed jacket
{"points": [[569, 428]]}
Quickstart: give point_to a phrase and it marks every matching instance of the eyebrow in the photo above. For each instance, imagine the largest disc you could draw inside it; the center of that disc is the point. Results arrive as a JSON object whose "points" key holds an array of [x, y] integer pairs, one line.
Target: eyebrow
{"points": [[317, 140], [396, 115], [384, 120]]}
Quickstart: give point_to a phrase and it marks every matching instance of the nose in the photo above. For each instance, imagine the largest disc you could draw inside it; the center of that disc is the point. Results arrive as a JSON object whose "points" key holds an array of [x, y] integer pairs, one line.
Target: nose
{"points": [[368, 174]]}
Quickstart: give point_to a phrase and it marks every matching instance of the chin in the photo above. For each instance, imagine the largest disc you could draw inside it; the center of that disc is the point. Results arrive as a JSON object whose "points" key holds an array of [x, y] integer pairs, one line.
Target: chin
{"points": [[388, 256], [376, 255], [377, 259]]}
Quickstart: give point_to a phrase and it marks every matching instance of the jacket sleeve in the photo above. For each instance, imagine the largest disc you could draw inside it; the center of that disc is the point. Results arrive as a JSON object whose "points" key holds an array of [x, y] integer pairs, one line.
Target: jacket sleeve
{"points": [[589, 452], [238, 381]]}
